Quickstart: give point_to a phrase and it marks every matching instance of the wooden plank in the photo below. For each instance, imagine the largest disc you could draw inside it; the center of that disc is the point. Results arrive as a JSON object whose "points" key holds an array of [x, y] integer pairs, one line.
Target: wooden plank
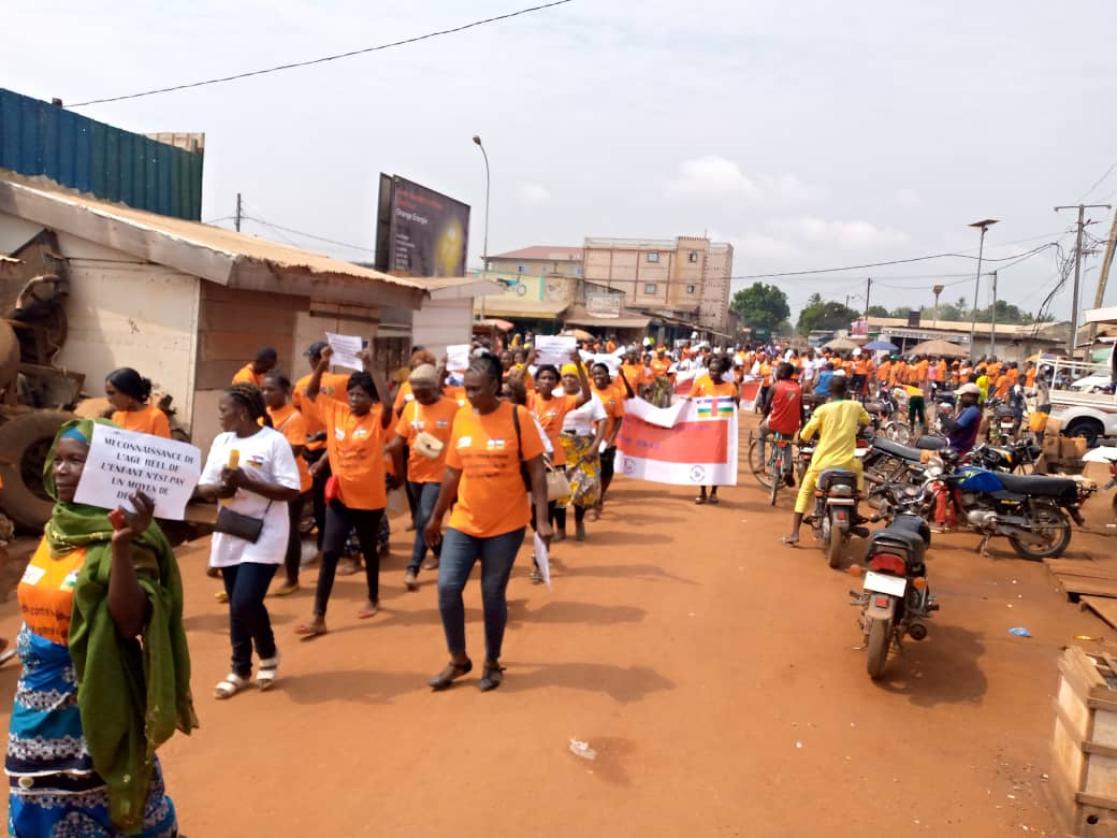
{"points": [[1082, 567], [1093, 587], [1102, 606]]}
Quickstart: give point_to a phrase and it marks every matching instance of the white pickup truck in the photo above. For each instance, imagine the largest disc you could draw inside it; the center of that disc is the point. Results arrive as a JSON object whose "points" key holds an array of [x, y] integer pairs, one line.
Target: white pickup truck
{"points": [[1091, 415]]}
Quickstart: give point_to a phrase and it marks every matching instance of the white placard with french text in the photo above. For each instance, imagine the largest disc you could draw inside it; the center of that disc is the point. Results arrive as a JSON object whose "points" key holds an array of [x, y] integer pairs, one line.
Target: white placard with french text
{"points": [[457, 357], [554, 349], [346, 349], [122, 462]]}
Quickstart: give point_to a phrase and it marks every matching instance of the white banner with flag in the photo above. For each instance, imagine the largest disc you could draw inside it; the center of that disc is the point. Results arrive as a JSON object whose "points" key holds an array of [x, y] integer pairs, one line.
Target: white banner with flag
{"points": [[691, 443]]}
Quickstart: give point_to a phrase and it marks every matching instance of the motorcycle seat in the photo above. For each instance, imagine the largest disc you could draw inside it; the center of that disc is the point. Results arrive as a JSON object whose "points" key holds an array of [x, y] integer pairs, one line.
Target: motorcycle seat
{"points": [[1039, 485], [835, 475], [874, 408], [931, 443], [904, 452], [911, 542]]}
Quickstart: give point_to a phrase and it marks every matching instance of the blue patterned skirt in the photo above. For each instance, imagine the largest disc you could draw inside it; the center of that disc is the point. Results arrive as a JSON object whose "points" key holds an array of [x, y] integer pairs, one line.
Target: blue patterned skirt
{"points": [[53, 790]]}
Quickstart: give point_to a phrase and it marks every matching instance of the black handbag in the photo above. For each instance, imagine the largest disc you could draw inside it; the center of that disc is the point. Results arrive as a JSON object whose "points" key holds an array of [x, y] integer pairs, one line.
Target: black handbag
{"points": [[240, 526]]}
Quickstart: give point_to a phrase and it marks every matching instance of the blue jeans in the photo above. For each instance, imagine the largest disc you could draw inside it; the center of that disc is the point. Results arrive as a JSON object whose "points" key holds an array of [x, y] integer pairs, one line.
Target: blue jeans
{"points": [[497, 555], [426, 496], [249, 623]]}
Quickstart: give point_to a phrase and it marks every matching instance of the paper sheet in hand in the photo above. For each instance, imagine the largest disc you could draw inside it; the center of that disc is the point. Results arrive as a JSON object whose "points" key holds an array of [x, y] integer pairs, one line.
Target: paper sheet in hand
{"points": [[555, 349], [457, 357], [346, 349], [542, 560], [121, 462]]}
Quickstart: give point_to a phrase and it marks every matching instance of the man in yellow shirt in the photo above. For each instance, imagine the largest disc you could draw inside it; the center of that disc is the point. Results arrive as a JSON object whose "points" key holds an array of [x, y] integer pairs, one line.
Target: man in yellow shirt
{"points": [[836, 423], [254, 371]]}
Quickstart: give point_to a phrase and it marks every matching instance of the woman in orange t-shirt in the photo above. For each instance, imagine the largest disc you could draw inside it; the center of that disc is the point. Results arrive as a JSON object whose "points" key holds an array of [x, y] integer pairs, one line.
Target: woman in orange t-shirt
{"points": [[709, 385], [355, 434], [490, 445], [128, 392], [551, 410], [292, 424]]}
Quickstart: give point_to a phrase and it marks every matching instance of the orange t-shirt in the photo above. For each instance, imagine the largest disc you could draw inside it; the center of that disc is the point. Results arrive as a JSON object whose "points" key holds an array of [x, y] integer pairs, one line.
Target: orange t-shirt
{"points": [[46, 592], [403, 396], [437, 420], [551, 412], [861, 367], [1000, 390], [634, 375], [612, 398], [246, 375], [660, 368], [993, 370], [1013, 375], [884, 370], [1030, 377], [920, 372], [492, 498], [943, 370], [705, 386], [292, 425], [355, 446], [765, 374], [456, 394], [147, 420], [335, 385]]}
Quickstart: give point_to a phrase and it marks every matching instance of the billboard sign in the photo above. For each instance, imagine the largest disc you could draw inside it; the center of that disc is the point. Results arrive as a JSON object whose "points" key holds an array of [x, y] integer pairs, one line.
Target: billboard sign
{"points": [[420, 232]]}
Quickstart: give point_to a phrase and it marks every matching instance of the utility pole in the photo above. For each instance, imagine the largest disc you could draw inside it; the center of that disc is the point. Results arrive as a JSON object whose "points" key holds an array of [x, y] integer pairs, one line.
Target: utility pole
{"points": [[993, 327], [1073, 342], [983, 225], [938, 289], [868, 288], [239, 214], [1103, 278]]}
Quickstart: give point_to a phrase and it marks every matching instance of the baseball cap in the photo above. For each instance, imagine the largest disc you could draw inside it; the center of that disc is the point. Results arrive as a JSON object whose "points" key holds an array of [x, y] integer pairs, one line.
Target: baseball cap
{"points": [[970, 389]]}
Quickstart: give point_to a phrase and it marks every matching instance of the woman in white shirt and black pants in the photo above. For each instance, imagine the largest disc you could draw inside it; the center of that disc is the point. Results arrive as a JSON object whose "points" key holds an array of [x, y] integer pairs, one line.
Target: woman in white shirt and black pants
{"points": [[254, 485]]}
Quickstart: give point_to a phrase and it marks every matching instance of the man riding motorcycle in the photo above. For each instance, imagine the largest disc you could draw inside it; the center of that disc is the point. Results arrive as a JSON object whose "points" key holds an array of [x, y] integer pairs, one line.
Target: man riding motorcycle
{"points": [[962, 429], [837, 423]]}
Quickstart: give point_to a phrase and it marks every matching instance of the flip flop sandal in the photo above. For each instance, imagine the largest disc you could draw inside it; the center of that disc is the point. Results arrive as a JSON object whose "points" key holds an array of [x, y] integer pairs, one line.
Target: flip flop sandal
{"points": [[308, 631], [229, 687], [286, 590], [221, 596], [790, 542], [700, 500], [268, 672], [713, 501]]}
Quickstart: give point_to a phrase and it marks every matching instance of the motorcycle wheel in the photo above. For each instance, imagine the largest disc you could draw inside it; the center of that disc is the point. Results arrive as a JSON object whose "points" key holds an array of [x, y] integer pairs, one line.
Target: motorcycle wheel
{"points": [[898, 432], [1057, 535], [834, 546], [876, 654]]}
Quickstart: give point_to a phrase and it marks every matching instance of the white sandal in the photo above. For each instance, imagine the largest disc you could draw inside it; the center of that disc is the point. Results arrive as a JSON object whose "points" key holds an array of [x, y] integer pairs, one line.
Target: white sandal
{"points": [[268, 672], [230, 686]]}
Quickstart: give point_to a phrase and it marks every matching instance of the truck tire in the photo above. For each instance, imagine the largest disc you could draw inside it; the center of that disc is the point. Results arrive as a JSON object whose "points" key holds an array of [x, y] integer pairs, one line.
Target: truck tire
{"points": [[24, 443], [1089, 429]]}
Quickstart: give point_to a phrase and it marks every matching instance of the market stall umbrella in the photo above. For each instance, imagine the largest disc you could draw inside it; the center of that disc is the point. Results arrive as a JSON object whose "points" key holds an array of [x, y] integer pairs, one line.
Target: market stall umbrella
{"points": [[503, 325], [881, 346], [841, 344], [580, 334], [939, 347]]}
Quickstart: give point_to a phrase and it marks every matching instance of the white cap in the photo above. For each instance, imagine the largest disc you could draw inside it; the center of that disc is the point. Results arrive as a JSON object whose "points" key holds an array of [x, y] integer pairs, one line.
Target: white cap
{"points": [[969, 389]]}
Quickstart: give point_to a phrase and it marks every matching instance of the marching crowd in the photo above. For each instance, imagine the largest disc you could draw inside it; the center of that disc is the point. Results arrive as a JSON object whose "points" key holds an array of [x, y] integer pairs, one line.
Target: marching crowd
{"points": [[482, 455]]}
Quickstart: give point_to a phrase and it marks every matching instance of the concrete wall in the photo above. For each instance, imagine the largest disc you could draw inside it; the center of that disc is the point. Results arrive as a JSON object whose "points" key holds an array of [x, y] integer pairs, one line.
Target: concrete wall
{"points": [[440, 323]]}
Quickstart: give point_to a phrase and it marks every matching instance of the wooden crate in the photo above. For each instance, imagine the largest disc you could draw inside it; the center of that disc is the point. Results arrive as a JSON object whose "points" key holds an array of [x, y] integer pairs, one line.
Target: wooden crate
{"points": [[1084, 780]]}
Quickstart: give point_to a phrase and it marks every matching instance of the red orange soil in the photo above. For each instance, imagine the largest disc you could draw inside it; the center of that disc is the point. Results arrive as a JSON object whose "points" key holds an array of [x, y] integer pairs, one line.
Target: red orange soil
{"points": [[711, 668]]}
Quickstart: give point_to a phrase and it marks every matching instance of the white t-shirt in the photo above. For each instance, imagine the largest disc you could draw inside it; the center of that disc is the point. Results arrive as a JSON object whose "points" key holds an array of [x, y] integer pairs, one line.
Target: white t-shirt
{"points": [[266, 455], [581, 419]]}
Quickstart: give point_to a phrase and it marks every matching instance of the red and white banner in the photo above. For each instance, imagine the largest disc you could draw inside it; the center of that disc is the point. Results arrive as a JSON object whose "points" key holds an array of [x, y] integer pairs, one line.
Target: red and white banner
{"points": [[691, 443]]}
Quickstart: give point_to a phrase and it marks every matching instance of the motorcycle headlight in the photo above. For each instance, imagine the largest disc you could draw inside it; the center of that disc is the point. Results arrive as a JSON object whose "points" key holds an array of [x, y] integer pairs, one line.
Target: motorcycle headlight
{"points": [[934, 471]]}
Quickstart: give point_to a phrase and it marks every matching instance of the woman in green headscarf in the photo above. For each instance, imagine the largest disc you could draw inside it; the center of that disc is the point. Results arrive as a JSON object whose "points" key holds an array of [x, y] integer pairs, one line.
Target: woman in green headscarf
{"points": [[106, 671]]}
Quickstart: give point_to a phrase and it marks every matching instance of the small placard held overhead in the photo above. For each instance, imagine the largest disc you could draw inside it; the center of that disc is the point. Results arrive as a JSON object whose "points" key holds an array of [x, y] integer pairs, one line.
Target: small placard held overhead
{"points": [[347, 349], [122, 462]]}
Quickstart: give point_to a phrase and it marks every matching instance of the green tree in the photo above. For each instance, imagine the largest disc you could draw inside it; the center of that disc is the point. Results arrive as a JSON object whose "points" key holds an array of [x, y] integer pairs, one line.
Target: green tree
{"points": [[761, 306], [819, 314], [878, 311]]}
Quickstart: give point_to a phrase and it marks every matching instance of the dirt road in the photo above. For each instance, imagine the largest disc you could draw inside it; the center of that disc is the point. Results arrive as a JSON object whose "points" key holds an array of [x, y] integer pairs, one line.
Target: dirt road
{"points": [[711, 668]]}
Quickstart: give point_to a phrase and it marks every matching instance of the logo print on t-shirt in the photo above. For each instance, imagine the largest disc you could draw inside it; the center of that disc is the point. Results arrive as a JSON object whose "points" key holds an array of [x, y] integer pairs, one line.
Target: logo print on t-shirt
{"points": [[495, 445], [465, 441], [339, 434]]}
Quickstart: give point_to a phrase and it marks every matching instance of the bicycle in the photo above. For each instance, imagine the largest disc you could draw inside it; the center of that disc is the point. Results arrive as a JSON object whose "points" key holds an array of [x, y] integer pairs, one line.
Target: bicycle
{"points": [[762, 470], [779, 463]]}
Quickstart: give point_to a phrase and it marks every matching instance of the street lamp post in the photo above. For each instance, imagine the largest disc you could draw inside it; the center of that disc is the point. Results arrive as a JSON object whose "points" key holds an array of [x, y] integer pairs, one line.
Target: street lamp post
{"points": [[485, 246], [938, 289], [983, 225]]}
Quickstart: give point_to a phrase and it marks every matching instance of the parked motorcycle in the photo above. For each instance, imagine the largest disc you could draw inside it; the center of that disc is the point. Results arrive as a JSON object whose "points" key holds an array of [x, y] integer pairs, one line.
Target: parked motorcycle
{"points": [[1033, 511], [895, 599]]}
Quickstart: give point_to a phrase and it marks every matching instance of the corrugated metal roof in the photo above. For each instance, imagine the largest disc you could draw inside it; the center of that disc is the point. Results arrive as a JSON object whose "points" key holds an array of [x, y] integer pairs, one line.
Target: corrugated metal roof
{"points": [[930, 324], [38, 138], [544, 252], [213, 253]]}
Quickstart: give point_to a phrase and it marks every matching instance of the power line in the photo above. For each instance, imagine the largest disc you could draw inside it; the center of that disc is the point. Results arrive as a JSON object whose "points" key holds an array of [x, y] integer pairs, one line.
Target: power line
{"points": [[1098, 182], [893, 262], [295, 64], [310, 235]]}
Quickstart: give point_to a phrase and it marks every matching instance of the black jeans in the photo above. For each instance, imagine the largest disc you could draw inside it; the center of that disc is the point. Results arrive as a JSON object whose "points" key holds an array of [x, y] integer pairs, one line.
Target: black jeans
{"points": [[459, 553], [249, 623], [294, 537], [340, 519], [608, 463], [318, 493]]}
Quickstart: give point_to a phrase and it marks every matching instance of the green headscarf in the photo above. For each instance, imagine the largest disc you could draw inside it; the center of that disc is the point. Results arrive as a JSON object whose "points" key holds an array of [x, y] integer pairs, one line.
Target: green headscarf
{"points": [[131, 696]]}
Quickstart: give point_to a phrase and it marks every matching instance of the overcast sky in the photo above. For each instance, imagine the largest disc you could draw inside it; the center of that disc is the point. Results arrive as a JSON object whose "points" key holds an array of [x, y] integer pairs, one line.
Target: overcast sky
{"points": [[808, 134]]}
